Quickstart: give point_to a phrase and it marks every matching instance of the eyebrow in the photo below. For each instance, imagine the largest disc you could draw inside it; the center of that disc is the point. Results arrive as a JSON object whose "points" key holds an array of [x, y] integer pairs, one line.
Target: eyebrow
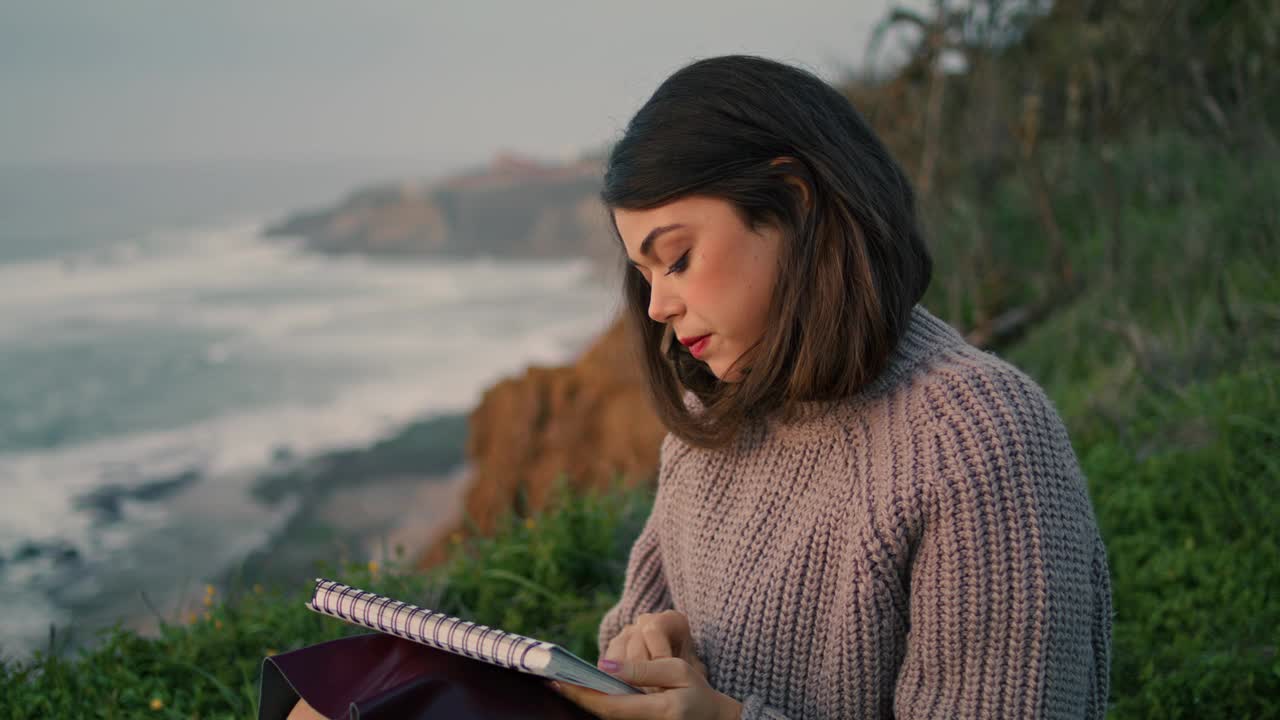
{"points": [[646, 246]]}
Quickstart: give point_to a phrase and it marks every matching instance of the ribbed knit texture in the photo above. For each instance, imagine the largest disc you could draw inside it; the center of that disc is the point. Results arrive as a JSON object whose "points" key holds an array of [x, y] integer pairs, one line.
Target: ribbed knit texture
{"points": [[925, 549]]}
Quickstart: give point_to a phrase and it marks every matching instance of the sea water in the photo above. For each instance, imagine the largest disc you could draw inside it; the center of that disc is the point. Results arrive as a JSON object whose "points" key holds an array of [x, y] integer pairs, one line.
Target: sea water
{"points": [[152, 369]]}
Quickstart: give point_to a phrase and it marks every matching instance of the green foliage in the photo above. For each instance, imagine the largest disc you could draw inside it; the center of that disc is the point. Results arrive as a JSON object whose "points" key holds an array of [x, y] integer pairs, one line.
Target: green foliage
{"points": [[1180, 285], [1145, 223], [1187, 504], [551, 576], [1165, 365], [208, 668]]}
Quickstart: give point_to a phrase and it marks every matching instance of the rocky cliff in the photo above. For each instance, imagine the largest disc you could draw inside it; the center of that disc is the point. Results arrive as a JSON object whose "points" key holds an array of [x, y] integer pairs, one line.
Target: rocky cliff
{"points": [[588, 420], [515, 207]]}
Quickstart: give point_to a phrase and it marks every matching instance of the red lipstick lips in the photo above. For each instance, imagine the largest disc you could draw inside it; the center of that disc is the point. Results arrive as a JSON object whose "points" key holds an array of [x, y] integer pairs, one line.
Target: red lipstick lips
{"points": [[696, 344]]}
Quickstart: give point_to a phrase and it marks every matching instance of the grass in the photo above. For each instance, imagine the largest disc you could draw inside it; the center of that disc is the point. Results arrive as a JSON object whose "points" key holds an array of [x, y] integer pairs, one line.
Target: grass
{"points": [[1187, 504], [1165, 367], [550, 577]]}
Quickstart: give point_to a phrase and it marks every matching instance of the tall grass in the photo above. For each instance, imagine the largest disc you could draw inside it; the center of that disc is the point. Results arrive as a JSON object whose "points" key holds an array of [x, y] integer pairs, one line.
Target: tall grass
{"points": [[1188, 504], [550, 577], [1165, 366]]}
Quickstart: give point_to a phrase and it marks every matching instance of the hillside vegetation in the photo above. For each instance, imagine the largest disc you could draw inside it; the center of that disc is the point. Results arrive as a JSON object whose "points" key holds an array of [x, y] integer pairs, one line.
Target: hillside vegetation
{"points": [[1101, 190]]}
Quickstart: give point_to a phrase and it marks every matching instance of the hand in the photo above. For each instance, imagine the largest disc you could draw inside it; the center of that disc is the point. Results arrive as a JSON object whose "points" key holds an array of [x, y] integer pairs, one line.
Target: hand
{"points": [[654, 636], [684, 694]]}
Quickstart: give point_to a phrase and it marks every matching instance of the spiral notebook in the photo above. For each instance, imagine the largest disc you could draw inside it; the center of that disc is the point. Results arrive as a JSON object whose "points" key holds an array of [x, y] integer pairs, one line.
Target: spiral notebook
{"points": [[460, 637]]}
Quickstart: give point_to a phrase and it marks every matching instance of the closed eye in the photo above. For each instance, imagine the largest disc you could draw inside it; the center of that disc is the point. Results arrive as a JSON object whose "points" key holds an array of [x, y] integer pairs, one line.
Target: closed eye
{"points": [[680, 265]]}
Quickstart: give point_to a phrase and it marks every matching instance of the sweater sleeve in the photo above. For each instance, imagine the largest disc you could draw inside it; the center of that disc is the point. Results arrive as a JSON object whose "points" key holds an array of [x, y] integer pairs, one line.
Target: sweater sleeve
{"points": [[645, 588], [1010, 599]]}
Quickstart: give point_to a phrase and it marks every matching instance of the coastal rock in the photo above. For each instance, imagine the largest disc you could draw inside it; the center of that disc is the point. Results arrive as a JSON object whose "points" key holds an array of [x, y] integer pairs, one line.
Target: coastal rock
{"points": [[589, 420], [58, 552], [515, 207], [106, 503]]}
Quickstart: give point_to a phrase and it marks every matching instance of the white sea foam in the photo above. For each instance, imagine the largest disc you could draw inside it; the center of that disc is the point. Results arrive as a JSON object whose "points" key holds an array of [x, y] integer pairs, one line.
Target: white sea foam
{"points": [[40, 485], [406, 339], [214, 278]]}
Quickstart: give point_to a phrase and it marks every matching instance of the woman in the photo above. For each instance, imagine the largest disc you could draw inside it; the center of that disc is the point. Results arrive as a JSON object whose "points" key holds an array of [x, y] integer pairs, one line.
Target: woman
{"points": [[858, 514]]}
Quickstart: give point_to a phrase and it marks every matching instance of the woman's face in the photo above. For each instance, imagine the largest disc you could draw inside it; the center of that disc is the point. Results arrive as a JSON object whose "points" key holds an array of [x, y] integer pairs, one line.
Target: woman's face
{"points": [[708, 273]]}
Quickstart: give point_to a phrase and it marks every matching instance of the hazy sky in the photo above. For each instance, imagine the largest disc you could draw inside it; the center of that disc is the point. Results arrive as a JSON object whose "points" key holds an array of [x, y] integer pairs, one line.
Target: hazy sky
{"points": [[431, 83]]}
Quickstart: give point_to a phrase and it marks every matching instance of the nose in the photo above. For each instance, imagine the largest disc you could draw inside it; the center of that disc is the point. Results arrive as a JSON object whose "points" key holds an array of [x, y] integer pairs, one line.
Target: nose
{"points": [[663, 303]]}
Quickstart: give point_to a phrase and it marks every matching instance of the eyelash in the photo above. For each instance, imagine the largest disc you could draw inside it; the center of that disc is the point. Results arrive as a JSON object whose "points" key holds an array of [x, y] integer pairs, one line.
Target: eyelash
{"points": [[680, 265]]}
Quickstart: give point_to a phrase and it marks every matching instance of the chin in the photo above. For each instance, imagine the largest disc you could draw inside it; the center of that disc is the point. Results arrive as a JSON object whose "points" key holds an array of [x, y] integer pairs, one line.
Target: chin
{"points": [[720, 376], [719, 372]]}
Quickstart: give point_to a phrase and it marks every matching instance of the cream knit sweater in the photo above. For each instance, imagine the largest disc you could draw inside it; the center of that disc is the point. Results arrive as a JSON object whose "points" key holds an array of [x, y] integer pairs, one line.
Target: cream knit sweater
{"points": [[925, 549]]}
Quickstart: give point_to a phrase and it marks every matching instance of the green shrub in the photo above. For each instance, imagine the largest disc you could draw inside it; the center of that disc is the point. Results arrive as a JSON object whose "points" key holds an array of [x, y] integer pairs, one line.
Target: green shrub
{"points": [[1188, 507], [550, 576], [1165, 367]]}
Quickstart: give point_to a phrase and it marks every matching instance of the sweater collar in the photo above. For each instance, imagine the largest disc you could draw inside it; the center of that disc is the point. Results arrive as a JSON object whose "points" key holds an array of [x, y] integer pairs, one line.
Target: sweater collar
{"points": [[923, 337]]}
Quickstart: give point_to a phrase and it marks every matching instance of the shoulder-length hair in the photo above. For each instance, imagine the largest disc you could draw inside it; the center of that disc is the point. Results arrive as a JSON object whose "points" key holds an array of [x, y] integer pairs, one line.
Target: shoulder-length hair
{"points": [[853, 261]]}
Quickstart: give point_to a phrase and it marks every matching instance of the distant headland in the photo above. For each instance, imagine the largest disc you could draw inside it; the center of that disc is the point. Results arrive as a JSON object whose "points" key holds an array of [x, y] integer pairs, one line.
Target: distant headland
{"points": [[515, 207]]}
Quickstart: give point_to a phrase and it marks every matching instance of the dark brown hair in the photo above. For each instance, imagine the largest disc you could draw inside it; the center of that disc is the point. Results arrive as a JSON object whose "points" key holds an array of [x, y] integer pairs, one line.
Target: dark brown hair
{"points": [[853, 261]]}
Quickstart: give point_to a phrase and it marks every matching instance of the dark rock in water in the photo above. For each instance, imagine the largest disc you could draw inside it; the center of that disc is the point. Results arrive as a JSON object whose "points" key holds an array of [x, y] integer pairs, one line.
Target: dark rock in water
{"points": [[164, 487], [27, 551], [60, 551], [106, 502], [282, 454], [67, 555], [429, 446], [103, 502]]}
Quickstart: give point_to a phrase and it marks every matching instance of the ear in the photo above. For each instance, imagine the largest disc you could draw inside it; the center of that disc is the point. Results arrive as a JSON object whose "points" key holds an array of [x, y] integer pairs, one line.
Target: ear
{"points": [[792, 179]]}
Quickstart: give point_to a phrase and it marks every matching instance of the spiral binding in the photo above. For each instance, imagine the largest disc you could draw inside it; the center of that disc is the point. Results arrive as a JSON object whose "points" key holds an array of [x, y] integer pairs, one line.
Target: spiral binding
{"points": [[358, 606]]}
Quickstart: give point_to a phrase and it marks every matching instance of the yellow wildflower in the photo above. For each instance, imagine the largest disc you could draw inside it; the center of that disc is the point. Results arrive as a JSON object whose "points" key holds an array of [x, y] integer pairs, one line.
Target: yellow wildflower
{"points": [[373, 567], [257, 588], [271, 651], [208, 602], [529, 524], [207, 616], [209, 591], [217, 624], [191, 618], [157, 703]]}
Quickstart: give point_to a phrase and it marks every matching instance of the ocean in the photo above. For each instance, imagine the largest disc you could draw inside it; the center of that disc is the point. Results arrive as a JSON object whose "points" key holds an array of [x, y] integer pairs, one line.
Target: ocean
{"points": [[158, 357]]}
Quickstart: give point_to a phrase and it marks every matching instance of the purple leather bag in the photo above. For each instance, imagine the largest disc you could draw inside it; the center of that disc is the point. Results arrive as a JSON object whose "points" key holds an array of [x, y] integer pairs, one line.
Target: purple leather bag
{"points": [[377, 676]]}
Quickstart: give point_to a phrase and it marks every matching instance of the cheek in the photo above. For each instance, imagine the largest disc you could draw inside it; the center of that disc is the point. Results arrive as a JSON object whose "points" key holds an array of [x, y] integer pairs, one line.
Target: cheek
{"points": [[754, 277], [731, 296], [710, 292]]}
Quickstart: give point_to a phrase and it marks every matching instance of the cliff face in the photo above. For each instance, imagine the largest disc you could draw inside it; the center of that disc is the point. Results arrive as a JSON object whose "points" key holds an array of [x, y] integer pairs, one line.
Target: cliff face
{"points": [[588, 420], [514, 208]]}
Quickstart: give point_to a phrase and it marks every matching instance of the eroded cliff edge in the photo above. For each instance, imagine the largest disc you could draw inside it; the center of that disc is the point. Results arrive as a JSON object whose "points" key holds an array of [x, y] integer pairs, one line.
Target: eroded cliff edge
{"points": [[589, 420]]}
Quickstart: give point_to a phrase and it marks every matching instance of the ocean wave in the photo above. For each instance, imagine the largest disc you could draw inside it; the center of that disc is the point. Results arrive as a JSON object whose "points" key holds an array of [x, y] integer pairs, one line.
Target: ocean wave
{"points": [[110, 356]]}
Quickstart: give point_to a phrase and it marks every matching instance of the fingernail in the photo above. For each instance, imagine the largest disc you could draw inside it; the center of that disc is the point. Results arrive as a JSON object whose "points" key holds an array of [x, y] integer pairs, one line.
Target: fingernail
{"points": [[554, 685], [609, 666]]}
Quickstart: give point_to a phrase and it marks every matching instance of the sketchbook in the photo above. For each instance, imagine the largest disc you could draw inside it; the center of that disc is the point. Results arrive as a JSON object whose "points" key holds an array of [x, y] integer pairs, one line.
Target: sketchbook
{"points": [[461, 637]]}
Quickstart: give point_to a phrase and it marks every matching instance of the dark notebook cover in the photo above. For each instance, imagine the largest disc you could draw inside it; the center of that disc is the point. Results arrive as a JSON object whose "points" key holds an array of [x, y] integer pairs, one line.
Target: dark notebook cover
{"points": [[377, 676]]}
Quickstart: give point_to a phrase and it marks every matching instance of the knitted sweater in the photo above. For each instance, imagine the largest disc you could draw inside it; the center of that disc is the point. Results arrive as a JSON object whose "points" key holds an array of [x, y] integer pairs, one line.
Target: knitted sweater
{"points": [[923, 549]]}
